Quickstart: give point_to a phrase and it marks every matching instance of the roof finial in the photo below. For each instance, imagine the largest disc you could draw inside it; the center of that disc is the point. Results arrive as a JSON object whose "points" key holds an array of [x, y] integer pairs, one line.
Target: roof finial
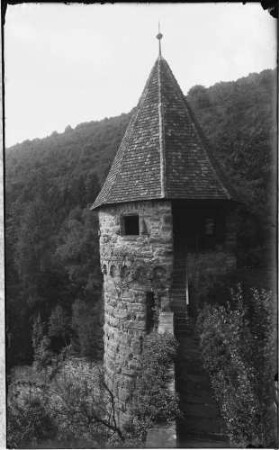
{"points": [[159, 37]]}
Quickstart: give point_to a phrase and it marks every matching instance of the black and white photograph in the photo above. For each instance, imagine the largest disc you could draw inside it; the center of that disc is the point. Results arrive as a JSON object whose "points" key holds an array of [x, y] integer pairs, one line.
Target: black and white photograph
{"points": [[140, 225]]}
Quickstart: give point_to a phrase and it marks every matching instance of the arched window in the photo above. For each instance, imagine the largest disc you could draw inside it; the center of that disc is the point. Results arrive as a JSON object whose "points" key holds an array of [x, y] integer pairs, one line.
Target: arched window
{"points": [[112, 271], [124, 272]]}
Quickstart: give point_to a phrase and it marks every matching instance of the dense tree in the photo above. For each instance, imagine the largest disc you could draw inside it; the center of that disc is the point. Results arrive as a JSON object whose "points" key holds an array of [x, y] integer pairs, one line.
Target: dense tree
{"points": [[237, 343], [59, 329], [78, 251], [87, 326]]}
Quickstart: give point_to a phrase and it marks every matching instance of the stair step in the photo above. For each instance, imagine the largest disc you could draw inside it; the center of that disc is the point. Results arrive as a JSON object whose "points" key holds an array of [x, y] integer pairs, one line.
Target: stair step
{"points": [[202, 425], [196, 398], [218, 437], [193, 441], [204, 410], [201, 420]]}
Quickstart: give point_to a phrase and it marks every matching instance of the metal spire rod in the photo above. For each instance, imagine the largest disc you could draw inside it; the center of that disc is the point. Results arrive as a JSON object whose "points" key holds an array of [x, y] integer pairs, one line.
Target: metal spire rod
{"points": [[159, 37]]}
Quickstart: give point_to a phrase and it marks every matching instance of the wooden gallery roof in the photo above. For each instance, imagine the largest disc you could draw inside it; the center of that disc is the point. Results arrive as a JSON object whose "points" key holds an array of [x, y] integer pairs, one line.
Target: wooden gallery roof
{"points": [[163, 154]]}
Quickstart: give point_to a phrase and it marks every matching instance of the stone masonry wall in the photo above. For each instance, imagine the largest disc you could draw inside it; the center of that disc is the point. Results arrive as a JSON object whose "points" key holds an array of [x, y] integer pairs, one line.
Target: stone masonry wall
{"points": [[132, 266]]}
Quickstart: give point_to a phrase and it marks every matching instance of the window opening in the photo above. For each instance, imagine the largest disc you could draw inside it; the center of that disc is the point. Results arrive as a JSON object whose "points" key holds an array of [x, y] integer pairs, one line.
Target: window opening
{"points": [[131, 225], [209, 226], [150, 312], [112, 271]]}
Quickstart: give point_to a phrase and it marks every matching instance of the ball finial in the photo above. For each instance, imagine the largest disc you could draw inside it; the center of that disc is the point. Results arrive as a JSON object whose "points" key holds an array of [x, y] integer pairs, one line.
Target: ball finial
{"points": [[159, 37]]}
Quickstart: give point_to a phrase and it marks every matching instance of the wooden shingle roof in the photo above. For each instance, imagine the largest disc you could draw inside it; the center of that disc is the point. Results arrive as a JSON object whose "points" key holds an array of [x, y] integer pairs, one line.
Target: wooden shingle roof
{"points": [[163, 154]]}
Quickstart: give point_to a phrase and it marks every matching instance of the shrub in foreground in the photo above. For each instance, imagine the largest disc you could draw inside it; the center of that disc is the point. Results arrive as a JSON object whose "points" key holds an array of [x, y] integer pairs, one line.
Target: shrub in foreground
{"points": [[28, 419], [237, 346], [69, 401], [154, 400]]}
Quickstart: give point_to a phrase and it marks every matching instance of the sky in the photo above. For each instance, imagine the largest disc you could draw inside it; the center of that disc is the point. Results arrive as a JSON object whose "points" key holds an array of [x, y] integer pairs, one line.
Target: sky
{"points": [[68, 64]]}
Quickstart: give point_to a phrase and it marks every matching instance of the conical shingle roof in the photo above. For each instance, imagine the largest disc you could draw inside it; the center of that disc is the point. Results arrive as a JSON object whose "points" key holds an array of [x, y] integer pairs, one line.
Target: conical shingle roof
{"points": [[163, 154]]}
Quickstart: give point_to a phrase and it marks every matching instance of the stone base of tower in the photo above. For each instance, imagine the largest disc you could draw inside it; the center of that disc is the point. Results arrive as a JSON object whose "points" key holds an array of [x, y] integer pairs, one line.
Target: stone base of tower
{"points": [[137, 273], [121, 383], [152, 255], [122, 363]]}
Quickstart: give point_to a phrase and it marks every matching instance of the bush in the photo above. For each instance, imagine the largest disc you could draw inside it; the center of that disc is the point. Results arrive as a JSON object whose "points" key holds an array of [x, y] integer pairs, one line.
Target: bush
{"points": [[71, 406], [71, 402], [153, 399], [86, 323], [28, 419], [214, 286], [237, 346], [79, 403]]}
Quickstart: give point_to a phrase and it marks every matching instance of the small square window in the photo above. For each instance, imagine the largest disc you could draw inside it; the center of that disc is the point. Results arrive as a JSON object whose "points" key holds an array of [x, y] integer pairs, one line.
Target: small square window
{"points": [[131, 225]]}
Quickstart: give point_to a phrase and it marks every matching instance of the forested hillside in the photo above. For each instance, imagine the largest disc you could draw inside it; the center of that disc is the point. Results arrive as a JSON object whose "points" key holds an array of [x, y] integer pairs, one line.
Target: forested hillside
{"points": [[52, 260]]}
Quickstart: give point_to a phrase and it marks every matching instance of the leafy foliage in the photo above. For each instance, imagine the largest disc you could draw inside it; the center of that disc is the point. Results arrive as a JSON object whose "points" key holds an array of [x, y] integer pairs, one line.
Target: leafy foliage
{"points": [[41, 344], [237, 345], [155, 402], [86, 324], [77, 251], [28, 420], [70, 401]]}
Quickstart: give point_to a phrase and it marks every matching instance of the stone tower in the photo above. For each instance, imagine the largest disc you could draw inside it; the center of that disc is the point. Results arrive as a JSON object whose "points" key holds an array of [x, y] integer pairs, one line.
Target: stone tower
{"points": [[164, 211]]}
